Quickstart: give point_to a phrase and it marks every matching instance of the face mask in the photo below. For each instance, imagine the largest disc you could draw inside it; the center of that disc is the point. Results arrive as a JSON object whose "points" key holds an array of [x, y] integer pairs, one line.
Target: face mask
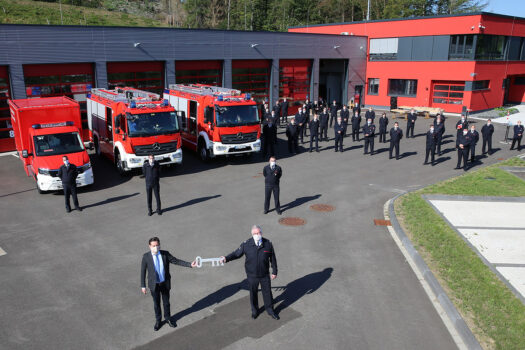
{"points": [[472, 130], [431, 129], [369, 123], [395, 127], [272, 164], [462, 119], [155, 250], [465, 132], [488, 123], [66, 162], [256, 238]]}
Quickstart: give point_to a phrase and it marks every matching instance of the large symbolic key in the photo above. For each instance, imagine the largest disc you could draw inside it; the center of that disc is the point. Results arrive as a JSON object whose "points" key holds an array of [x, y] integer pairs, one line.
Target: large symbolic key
{"points": [[214, 261]]}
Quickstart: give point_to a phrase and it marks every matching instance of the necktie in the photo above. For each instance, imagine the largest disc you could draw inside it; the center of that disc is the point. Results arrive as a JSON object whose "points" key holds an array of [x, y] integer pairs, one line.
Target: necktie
{"points": [[157, 267]]}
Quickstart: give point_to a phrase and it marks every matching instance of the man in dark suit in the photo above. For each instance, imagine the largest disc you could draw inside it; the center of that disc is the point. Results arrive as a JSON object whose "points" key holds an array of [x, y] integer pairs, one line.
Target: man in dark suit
{"points": [[68, 174], [356, 125], [439, 128], [314, 133], [370, 114], [277, 113], [268, 135], [518, 134], [156, 264], [284, 111], [396, 134], [462, 145], [300, 119], [339, 134], [272, 176], [486, 132], [323, 124], [411, 123], [431, 145], [260, 254], [474, 138], [369, 131], [383, 125], [461, 125], [151, 171], [292, 132], [333, 112], [345, 117]]}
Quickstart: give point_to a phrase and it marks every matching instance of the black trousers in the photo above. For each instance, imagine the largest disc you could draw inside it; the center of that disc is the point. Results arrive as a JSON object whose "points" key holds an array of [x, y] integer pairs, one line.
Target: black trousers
{"points": [[369, 141], [382, 135], [463, 155], [514, 140], [293, 146], [339, 142], [324, 132], [392, 146], [301, 131], [487, 141], [432, 151], [355, 133], [438, 142], [316, 138], [332, 118], [269, 144], [70, 190], [472, 152], [305, 128], [284, 117], [410, 127], [345, 126], [266, 289], [155, 188], [268, 193], [159, 291]]}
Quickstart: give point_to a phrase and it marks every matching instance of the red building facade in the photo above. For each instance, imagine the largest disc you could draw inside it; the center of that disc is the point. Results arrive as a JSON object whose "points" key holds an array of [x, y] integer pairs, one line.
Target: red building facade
{"points": [[476, 61]]}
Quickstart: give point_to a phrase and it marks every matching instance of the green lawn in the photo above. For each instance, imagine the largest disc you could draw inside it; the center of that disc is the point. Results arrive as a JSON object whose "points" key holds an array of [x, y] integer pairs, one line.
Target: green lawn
{"points": [[496, 316]]}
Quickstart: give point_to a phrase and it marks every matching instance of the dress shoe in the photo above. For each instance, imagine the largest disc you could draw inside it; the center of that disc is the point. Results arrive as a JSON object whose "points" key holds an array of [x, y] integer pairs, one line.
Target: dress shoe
{"points": [[265, 212], [279, 212], [150, 213], [157, 326], [254, 315], [78, 208], [68, 210], [425, 163], [457, 168], [171, 324], [159, 212], [274, 316]]}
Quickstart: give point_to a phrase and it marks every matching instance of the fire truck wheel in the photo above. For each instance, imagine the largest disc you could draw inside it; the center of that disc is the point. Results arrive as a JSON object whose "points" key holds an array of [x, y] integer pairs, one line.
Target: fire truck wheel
{"points": [[97, 146], [119, 164], [38, 189], [203, 152]]}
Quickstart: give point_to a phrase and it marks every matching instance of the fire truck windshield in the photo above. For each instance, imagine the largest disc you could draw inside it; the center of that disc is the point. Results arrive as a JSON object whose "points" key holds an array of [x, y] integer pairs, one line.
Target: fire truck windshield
{"points": [[236, 115], [150, 124], [54, 144]]}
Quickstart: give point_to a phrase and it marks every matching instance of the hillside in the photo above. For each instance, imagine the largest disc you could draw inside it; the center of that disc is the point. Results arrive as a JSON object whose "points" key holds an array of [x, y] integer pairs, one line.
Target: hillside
{"points": [[37, 12]]}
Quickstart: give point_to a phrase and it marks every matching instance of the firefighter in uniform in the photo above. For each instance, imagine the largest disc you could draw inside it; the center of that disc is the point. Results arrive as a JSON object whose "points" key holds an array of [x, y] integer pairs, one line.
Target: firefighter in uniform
{"points": [[431, 143], [339, 134], [314, 133], [462, 144], [277, 113], [411, 123], [370, 114], [284, 111], [272, 175], [396, 134], [323, 123], [333, 112], [439, 128], [383, 124], [518, 134], [68, 174], [260, 255], [300, 119], [486, 132], [292, 132], [356, 125], [369, 131], [474, 135], [461, 125], [345, 117]]}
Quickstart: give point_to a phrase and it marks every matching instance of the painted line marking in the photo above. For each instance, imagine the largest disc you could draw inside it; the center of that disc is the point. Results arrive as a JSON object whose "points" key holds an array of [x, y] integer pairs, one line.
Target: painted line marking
{"points": [[2, 252]]}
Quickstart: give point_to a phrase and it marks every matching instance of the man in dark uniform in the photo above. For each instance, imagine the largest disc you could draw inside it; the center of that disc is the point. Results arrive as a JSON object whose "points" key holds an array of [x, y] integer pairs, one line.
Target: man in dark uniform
{"points": [[275, 120], [307, 107], [462, 145], [300, 119], [315, 108], [486, 132], [323, 124], [272, 175], [439, 126], [357, 108], [260, 254], [68, 174], [284, 111], [345, 117], [156, 263], [383, 124], [396, 134], [431, 145], [411, 123], [277, 113], [356, 125], [292, 132], [151, 171], [518, 134], [370, 114], [339, 133], [314, 133], [474, 138], [461, 125], [268, 133], [333, 112], [369, 132]]}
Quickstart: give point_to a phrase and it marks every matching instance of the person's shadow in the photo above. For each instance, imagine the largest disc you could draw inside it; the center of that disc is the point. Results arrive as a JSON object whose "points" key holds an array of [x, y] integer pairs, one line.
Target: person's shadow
{"points": [[191, 202], [295, 290], [299, 201]]}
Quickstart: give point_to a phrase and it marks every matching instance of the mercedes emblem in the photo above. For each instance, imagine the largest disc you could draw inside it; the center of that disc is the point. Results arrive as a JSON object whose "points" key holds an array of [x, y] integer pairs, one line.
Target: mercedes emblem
{"points": [[156, 146]]}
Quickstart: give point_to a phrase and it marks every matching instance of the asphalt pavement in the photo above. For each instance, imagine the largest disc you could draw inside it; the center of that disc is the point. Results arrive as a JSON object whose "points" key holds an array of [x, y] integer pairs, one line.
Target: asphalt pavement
{"points": [[72, 280]]}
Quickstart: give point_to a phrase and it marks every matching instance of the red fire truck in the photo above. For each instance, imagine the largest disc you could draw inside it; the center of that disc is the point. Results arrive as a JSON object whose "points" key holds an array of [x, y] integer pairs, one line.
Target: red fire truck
{"points": [[45, 130], [216, 121], [126, 125]]}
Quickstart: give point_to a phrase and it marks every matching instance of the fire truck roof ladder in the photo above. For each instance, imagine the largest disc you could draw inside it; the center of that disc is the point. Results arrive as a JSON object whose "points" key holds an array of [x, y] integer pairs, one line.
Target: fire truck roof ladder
{"points": [[125, 95], [205, 90]]}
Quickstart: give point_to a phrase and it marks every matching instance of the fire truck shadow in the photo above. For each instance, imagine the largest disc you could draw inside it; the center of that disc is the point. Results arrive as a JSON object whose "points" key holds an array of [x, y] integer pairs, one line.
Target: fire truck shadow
{"points": [[191, 202], [298, 202]]}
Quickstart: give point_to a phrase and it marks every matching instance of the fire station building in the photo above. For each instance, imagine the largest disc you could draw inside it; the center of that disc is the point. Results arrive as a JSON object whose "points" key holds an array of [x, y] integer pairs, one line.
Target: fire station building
{"points": [[474, 61]]}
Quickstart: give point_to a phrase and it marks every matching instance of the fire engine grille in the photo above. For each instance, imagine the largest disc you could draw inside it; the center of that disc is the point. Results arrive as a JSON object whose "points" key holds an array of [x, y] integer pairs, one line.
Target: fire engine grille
{"points": [[239, 138], [54, 172], [156, 148]]}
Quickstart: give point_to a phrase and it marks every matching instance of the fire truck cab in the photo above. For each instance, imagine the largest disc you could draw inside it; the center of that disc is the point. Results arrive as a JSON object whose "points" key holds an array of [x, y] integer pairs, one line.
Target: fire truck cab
{"points": [[216, 121], [126, 125]]}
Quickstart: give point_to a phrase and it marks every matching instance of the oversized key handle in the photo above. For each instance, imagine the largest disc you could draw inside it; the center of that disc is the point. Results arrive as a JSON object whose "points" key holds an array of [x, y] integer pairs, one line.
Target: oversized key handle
{"points": [[214, 261]]}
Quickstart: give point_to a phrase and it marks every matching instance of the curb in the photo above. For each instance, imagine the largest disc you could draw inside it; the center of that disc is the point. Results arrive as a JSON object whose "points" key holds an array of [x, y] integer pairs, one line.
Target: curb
{"points": [[455, 321]]}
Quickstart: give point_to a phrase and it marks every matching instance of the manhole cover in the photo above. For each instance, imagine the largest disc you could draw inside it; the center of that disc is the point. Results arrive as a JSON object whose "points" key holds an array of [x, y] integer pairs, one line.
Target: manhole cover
{"points": [[292, 221], [379, 222], [322, 207]]}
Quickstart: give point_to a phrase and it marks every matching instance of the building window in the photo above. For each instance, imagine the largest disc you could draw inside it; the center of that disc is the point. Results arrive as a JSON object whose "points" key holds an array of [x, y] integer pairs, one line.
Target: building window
{"points": [[402, 87], [480, 85], [383, 49], [491, 47], [373, 86], [252, 76], [147, 76], [448, 92], [519, 81], [461, 47], [199, 72], [294, 82]]}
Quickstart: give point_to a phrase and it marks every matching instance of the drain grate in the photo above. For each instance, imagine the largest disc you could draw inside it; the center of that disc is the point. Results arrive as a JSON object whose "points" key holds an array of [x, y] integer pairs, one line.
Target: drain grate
{"points": [[292, 221], [322, 207], [379, 222]]}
